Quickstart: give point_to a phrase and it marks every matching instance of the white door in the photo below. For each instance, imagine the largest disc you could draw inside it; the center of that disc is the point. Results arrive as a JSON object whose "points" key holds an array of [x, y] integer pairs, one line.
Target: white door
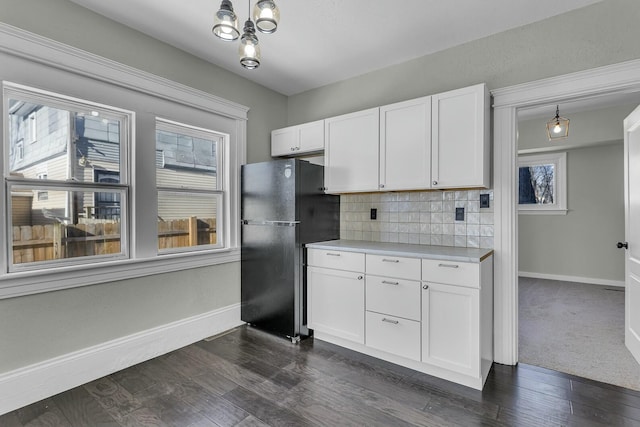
{"points": [[632, 231]]}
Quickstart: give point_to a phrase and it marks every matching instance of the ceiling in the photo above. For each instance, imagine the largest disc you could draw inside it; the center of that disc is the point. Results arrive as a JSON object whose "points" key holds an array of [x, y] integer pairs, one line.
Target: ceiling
{"points": [[319, 42]]}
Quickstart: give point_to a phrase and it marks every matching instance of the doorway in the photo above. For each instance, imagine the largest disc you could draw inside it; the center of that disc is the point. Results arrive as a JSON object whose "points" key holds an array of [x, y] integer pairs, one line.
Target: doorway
{"points": [[616, 80], [571, 214]]}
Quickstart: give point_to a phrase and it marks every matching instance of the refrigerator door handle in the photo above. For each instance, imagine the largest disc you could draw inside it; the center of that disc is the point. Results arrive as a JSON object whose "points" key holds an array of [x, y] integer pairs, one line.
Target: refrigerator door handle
{"points": [[275, 223]]}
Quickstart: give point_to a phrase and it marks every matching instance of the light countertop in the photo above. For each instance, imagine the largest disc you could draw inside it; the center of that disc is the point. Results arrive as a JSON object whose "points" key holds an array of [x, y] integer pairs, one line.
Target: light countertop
{"points": [[407, 250]]}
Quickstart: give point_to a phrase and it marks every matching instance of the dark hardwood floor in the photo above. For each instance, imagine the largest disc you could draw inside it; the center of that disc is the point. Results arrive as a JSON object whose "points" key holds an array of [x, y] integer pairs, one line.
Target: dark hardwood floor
{"points": [[249, 378]]}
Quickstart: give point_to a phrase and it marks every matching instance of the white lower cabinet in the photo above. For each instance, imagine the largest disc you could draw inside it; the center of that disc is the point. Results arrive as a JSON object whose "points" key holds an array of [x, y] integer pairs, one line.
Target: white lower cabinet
{"points": [[335, 303], [450, 327], [434, 316]]}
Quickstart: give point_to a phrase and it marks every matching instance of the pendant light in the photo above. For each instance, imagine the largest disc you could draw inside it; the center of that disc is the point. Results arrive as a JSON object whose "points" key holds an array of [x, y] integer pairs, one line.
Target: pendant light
{"points": [[557, 127], [225, 23], [249, 50], [266, 15]]}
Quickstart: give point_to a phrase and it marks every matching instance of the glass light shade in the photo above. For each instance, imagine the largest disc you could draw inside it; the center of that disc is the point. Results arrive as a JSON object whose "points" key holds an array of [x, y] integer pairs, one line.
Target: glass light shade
{"points": [[557, 127], [266, 15], [249, 50], [225, 23]]}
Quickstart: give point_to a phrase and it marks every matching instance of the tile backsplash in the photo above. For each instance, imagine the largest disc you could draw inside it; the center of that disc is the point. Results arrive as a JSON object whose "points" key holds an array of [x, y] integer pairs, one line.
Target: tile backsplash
{"points": [[420, 217]]}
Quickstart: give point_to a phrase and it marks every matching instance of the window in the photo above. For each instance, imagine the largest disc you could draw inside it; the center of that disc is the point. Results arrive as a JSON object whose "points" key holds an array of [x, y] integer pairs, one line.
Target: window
{"points": [[19, 150], [542, 183], [191, 190], [65, 222], [33, 127]]}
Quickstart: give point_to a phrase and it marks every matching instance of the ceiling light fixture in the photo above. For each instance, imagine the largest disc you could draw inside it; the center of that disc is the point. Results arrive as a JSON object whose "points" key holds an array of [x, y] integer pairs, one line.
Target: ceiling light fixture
{"points": [[266, 16], [225, 23], [557, 127]]}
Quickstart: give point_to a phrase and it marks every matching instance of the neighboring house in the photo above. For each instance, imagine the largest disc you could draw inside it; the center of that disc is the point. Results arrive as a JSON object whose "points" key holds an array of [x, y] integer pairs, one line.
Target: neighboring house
{"points": [[53, 144]]}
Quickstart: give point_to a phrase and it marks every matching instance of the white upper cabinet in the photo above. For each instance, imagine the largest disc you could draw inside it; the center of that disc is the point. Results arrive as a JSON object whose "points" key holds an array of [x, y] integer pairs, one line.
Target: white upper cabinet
{"points": [[434, 142], [405, 145], [460, 138], [296, 140], [351, 152]]}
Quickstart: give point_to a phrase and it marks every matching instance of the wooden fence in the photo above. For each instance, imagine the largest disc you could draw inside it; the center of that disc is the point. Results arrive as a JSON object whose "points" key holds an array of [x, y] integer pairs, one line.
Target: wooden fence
{"points": [[33, 243]]}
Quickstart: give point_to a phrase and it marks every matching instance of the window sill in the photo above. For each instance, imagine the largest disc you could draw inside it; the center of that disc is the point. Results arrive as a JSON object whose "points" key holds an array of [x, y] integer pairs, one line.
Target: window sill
{"points": [[33, 282], [543, 211]]}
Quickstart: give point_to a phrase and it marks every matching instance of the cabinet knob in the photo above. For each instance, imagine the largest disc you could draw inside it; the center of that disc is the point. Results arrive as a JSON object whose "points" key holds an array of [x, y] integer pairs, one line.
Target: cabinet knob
{"points": [[434, 183], [425, 286], [360, 277], [293, 149], [381, 185]]}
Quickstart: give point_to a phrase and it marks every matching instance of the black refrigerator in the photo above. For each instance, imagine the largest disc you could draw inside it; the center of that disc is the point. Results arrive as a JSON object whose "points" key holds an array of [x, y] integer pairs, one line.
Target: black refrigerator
{"points": [[283, 207]]}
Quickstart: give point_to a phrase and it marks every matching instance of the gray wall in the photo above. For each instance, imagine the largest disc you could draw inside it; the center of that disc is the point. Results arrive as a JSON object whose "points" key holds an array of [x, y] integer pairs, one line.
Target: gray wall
{"points": [[601, 34], [581, 243], [39, 327]]}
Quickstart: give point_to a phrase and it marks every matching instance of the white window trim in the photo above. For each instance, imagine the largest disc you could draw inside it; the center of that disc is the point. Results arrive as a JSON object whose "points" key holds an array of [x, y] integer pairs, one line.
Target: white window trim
{"points": [[46, 52], [559, 161]]}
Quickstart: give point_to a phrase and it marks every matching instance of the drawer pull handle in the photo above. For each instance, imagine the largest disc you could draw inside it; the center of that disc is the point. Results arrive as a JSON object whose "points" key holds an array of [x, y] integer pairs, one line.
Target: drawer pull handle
{"points": [[330, 254], [386, 282], [448, 265], [360, 277], [390, 260], [395, 322]]}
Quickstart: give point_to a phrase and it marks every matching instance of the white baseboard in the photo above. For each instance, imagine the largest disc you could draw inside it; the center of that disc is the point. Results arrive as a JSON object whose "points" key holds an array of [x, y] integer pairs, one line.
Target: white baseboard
{"points": [[32, 383], [589, 280]]}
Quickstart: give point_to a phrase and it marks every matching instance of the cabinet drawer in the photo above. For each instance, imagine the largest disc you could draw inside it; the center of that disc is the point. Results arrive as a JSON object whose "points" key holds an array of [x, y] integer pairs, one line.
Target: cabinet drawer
{"points": [[339, 260], [393, 335], [451, 272], [397, 297], [393, 266]]}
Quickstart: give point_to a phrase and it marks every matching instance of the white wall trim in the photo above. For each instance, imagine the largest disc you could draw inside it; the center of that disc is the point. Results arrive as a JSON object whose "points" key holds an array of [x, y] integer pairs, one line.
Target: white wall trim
{"points": [[622, 77], [32, 383], [576, 279], [32, 282], [24, 44]]}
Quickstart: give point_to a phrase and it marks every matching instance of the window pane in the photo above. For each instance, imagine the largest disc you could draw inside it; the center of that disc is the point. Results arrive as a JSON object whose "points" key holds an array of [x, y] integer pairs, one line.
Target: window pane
{"points": [[62, 224], [186, 161], [187, 219], [536, 184], [62, 142]]}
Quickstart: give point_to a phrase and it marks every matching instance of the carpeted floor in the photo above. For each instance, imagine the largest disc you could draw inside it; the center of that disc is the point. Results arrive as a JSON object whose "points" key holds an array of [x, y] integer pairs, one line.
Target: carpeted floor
{"points": [[575, 328]]}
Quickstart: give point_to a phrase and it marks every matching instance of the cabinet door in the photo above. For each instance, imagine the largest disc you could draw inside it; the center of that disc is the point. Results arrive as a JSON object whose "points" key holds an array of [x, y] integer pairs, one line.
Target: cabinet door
{"points": [[405, 145], [284, 141], [335, 303], [351, 152], [450, 327], [460, 138], [311, 137]]}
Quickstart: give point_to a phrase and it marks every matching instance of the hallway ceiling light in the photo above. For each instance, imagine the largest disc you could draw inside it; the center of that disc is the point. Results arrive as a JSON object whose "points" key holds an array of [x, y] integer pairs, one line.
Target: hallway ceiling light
{"points": [[225, 26], [557, 127]]}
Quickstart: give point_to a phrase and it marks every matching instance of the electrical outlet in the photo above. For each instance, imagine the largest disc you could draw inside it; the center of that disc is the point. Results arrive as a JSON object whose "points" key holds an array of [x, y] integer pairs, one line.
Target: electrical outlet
{"points": [[459, 214], [374, 213], [484, 200]]}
